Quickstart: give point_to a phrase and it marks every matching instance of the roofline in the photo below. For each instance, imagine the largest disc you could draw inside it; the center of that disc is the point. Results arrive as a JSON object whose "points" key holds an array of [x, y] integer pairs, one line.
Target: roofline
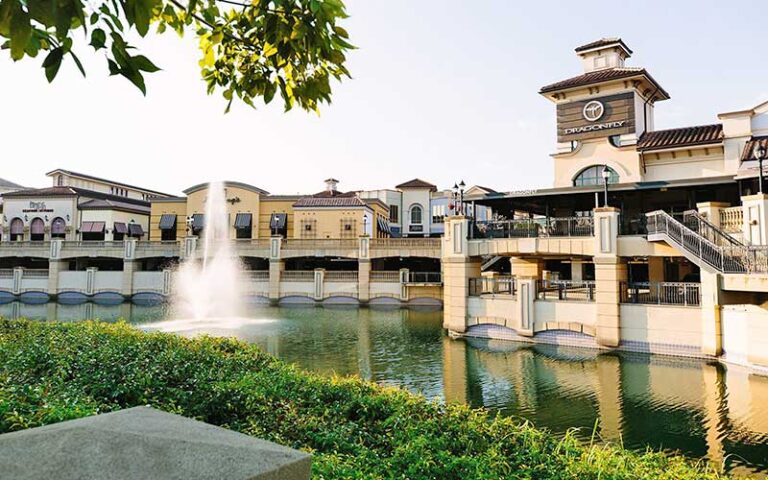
{"points": [[630, 73], [747, 111], [585, 49], [682, 146], [77, 191], [168, 200], [116, 208], [92, 177], [340, 207], [227, 183]]}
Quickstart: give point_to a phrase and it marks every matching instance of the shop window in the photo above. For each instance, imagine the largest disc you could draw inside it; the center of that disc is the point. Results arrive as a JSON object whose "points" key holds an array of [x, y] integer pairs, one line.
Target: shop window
{"points": [[394, 214], [17, 230], [594, 176], [58, 228], [37, 230], [438, 213], [416, 214]]}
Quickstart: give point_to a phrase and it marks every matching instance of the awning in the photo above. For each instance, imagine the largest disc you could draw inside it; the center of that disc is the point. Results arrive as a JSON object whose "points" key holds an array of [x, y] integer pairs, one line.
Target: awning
{"points": [[121, 228], [381, 225], [58, 225], [243, 221], [135, 230], [37, 227], [92, 227], [278, 220], [198, 221], [168, 221], [17, 226]]}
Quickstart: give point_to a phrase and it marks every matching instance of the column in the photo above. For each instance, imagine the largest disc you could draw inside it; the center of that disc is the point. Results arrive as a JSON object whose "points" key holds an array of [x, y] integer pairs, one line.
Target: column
{"points": [[526, 294], [459, 267], [319, 287], [276, 267], [363, 280], [609, 397], [54, 267], [18, 278], [526, 267], [404, 284], [129, 266], [655, 269], [577, 270], [90, 280], [711, 327], [755, 218], [610, 271]]}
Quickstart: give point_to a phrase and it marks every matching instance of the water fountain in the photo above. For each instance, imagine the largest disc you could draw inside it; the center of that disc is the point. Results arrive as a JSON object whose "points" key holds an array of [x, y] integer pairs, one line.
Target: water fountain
{"points": [[211, 289]]}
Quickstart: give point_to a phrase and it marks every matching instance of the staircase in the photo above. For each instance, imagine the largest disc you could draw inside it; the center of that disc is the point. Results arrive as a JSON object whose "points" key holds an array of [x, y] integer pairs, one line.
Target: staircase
{"points": [[706, 245]]}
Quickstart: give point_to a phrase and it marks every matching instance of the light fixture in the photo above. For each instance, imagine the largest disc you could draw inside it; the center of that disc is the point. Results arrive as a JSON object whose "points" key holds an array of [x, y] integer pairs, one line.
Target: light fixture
{"points": [[606, 175], [760, 153]]}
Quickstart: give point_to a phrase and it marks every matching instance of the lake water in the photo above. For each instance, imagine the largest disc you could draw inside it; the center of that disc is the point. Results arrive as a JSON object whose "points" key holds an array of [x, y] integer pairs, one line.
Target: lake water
{"points": [[696, 407]]}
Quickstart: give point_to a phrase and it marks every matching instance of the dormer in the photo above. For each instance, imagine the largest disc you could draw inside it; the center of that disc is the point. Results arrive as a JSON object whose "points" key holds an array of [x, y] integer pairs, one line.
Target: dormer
{"points": [[603, 53]]}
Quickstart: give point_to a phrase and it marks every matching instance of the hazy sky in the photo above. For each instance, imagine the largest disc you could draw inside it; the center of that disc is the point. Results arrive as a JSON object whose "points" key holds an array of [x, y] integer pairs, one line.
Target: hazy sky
{"points": [[442, 90]]}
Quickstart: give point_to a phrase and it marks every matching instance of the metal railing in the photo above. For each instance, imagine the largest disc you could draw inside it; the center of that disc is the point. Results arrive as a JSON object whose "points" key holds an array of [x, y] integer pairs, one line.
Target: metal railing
{"points": [[6, 273], [400, 243], [35, 273], [424, 277], [633, 224], [661, 293], [566, 290], [25, 244], [340, 276], [492, 286], [385, 277], [319, 243], [732, 219], [93, 243], [732, 258], [258, 274], [535, 227], [297, 276], [693, 220]]}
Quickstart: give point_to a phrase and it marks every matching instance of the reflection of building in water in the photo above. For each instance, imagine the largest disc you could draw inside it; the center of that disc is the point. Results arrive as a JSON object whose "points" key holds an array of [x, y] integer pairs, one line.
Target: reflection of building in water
{"points": [[699, 408]]}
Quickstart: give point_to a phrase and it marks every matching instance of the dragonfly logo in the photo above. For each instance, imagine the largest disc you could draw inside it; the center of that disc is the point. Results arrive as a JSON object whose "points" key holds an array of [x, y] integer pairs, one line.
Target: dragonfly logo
{"points": [[593, 111]]}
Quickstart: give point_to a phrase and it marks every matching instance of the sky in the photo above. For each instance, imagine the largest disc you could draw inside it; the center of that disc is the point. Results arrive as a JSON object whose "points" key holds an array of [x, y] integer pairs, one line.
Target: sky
{"points": [[441, 90]]}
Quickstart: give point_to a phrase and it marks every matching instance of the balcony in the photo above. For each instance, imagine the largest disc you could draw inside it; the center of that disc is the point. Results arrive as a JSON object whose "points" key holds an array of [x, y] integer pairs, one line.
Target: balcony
{"points": [[661, 293], [535, 228]]}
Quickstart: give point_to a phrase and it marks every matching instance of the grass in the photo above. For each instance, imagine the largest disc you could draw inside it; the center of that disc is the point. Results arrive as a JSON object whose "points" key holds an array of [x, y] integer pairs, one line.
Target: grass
{"points": [[50, 372]]}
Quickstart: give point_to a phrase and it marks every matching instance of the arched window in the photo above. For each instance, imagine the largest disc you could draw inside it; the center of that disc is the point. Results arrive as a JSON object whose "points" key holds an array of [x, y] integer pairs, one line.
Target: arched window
{"points": [[37, 230], [416, 214], [17, 230], [58, 228], [594, 176]]}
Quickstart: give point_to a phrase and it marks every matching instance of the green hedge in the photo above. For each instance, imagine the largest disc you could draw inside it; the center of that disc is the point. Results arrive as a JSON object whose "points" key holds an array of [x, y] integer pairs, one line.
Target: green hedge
{"points": [[51, 372]]}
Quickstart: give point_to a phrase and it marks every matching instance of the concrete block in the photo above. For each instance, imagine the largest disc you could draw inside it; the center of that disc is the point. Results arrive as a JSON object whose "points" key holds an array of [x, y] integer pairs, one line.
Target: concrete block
{"points": [[144, 443]]}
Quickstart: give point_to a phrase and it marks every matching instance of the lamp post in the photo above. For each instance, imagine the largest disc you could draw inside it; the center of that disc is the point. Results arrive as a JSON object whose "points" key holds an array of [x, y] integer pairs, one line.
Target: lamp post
{"points": [[760, 153], [606, 176], [455, 190], [461, 195]]}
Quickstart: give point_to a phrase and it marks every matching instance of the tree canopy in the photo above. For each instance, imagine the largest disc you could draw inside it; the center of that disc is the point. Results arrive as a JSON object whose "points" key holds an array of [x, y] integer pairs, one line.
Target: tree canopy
{"points": [[250, 48]]}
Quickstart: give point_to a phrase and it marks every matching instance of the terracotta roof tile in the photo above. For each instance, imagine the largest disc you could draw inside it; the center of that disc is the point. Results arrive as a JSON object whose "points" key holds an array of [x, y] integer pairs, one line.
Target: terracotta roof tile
{"points": [[603, 42], [417, 183], [681, 137], [749, 148], [600, 76], [338, 201]]}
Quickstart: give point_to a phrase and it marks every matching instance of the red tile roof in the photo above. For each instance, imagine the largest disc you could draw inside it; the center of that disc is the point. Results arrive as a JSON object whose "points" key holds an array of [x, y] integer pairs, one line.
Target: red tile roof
{"points": [[602, 43], [600, 76], [749, 148], [681, 137], [338, 201], [417, 183]]}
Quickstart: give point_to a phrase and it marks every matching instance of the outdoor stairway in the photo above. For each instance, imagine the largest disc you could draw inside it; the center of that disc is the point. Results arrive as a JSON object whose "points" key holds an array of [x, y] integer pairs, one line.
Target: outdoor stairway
{"points": [[489, 261], [706, 245]]}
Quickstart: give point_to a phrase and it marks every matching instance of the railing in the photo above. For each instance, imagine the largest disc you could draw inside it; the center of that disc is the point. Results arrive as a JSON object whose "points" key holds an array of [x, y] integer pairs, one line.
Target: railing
{"points": [[319, 243], [258, 274], [385, 277], [94, 243], [36, 273], [252, 242], [400, 243], [735, 258], [661, 293], [535, 227], [732, 219], [693, 220], [297, 276], [6, 273], [340, 276], [25, 244], [424, 277], [492, 286], [567, 290]]}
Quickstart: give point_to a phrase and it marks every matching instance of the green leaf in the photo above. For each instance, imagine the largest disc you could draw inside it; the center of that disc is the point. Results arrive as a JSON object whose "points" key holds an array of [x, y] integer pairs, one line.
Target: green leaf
{"points": [[21, 31], [136, 78], [6, 11], [98, 39], [52, 63], [114, 68], [77, 62], [269, 92], [143, 63], [191, 6], [341, 32]]}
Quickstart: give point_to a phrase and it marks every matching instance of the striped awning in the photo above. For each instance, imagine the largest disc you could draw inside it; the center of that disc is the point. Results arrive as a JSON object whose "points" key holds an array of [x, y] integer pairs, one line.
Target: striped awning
{"points": [[37, 227], [198, 221], [121, 228], [92, 227], [167, 221], [277, 221], [17, 226], [243, 221], [135, 230]]}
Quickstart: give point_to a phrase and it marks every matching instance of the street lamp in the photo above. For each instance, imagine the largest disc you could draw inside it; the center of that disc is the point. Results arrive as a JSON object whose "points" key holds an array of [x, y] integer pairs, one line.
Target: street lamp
{"points": [[455, 199], [606, 176], [461, 195], [760, 154]]}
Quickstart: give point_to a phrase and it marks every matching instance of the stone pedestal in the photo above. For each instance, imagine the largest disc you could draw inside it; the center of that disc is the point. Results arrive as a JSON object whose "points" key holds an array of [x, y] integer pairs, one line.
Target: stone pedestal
{"points": [[276, 267], [143, 442], [364, 280], [610, 272], [755, 218], [458, 268], [129, 266], [526, 267], [711, 326], [711, 211], [54, 267]]}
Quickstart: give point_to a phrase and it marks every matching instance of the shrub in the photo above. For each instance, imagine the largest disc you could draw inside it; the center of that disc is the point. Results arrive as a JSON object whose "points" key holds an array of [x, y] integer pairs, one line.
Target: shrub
{"points": [[51, 372]]}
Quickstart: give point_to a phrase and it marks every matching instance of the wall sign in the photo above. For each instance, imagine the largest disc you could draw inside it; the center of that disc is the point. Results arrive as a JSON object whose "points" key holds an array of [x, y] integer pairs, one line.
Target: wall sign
{"points": [[596, 118], [36, 207]]}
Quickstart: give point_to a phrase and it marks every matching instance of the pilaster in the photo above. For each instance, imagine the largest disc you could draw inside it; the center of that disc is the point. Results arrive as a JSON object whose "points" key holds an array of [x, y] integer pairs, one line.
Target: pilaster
{"points": [[458, 268], [276, 267], [711, 326], [129, 266], [610, 271], [363, 280]]}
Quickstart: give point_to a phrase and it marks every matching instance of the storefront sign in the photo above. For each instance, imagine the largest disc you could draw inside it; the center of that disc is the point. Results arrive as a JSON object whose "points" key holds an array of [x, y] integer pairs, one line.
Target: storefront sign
{"points": [[596, 118], [37, 207]]}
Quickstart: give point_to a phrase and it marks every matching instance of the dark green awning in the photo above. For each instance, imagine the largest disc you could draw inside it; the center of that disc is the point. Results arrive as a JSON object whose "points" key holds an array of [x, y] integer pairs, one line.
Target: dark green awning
{"points": [[168, 221], [243, 221], [198, 221]]}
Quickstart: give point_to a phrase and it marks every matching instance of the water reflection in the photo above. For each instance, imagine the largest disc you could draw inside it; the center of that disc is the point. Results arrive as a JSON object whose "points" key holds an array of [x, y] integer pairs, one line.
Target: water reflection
{"points": [[697, 407]]}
